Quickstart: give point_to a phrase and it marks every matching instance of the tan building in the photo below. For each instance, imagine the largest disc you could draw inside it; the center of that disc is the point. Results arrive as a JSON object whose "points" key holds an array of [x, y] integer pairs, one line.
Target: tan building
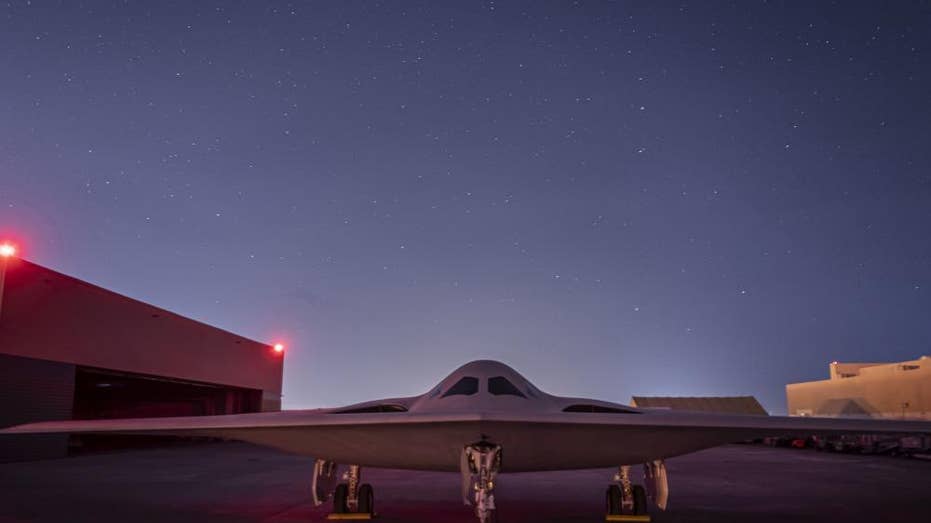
{"points": [[888, 390]]}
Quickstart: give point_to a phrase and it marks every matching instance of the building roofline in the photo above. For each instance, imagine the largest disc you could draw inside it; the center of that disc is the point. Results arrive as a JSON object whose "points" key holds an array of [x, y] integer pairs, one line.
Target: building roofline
{"points": [[154, 308]]}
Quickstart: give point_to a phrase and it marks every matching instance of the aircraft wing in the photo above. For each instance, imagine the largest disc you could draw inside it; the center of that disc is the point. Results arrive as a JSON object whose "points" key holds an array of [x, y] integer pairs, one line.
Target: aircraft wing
{"points": [[530, 441]]}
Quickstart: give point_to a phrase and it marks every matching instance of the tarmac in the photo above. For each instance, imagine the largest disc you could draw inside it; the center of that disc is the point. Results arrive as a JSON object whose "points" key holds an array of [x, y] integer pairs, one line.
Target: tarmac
{"points": [[236, 482]]}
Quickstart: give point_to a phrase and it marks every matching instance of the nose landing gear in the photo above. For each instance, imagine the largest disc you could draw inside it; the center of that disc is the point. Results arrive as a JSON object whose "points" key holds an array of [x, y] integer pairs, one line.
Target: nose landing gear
{"points": [[480, 465]]}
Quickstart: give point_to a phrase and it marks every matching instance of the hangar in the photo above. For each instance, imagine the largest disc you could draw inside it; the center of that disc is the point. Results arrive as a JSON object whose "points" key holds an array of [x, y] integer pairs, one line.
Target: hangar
{"points": [[720, 404], [73, 350]]}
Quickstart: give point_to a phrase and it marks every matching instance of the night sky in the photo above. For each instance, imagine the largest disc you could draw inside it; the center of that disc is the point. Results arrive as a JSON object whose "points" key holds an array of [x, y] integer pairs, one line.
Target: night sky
{"points": [[613, 198]]}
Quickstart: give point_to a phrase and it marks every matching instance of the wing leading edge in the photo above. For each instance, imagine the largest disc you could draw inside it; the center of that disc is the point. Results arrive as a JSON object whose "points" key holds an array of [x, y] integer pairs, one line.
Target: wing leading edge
{"points": [[531, 441]]}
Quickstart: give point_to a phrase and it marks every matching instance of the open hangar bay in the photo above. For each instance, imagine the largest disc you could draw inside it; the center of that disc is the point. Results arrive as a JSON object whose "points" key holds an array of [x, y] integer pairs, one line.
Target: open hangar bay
{"points": [[73, 350], [236, 482]]}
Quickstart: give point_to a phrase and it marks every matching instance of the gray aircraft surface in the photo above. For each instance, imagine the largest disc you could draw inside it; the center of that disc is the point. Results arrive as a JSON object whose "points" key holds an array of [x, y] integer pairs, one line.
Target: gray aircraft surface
{"points": [[483, 419]]}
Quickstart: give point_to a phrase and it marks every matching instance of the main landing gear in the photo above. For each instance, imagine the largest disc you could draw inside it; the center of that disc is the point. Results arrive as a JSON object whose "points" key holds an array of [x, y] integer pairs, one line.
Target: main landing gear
{"points": [[624, 498], [351, 500], [479, 465], [628, 502]]}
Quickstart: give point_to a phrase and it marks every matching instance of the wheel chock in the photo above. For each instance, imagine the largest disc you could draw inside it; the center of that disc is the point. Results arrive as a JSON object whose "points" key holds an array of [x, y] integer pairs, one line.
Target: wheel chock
{"points": [[351, 515], [627, 517]]}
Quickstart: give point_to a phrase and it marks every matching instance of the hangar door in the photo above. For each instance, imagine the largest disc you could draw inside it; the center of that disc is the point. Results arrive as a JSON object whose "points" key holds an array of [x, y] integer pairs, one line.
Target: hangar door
{"points": [[102, 393], [106, 394], [34, 390]]}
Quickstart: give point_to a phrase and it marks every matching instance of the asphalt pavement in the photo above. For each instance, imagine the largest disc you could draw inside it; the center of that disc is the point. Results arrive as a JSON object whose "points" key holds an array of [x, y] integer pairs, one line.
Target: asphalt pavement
{"points": [[236, 482]]}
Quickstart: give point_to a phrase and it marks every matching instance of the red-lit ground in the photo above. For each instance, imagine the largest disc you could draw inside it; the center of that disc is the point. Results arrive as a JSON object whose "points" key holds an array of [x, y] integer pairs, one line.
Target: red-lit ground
{"points": [[231, 482]]}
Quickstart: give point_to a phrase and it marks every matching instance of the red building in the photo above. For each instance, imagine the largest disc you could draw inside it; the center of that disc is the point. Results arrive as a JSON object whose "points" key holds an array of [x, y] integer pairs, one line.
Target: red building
{"points": [[72, 350]]}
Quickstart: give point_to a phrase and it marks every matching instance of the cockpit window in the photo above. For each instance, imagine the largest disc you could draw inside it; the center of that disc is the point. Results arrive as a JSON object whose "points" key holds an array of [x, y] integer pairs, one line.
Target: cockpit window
{"points": [[465, 387], [499, 385]]}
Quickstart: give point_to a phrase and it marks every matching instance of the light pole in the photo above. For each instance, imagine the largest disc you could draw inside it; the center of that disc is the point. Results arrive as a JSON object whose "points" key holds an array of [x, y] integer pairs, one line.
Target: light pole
{"points": [[7, 251]]}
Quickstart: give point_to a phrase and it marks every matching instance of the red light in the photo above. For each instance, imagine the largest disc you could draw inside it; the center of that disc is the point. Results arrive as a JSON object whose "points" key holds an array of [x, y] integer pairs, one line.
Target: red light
{"points": [[278, 347], [7, 250]]}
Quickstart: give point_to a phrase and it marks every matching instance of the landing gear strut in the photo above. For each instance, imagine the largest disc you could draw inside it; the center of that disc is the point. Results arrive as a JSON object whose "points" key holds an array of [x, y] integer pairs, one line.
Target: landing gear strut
{"points": [[480, 465], [351, 500], [623, 498]]}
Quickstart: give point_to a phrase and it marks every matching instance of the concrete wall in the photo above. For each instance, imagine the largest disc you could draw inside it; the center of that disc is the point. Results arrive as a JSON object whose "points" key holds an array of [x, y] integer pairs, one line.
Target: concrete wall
{"points": [[847, 370], [51, 316], [897, 390]]}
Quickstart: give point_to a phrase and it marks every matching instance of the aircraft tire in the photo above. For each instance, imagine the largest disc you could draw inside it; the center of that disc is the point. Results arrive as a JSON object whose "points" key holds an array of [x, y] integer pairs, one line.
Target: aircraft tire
{"points": [[366, 499], [339, 499], [640, 499], [613, 499]]}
